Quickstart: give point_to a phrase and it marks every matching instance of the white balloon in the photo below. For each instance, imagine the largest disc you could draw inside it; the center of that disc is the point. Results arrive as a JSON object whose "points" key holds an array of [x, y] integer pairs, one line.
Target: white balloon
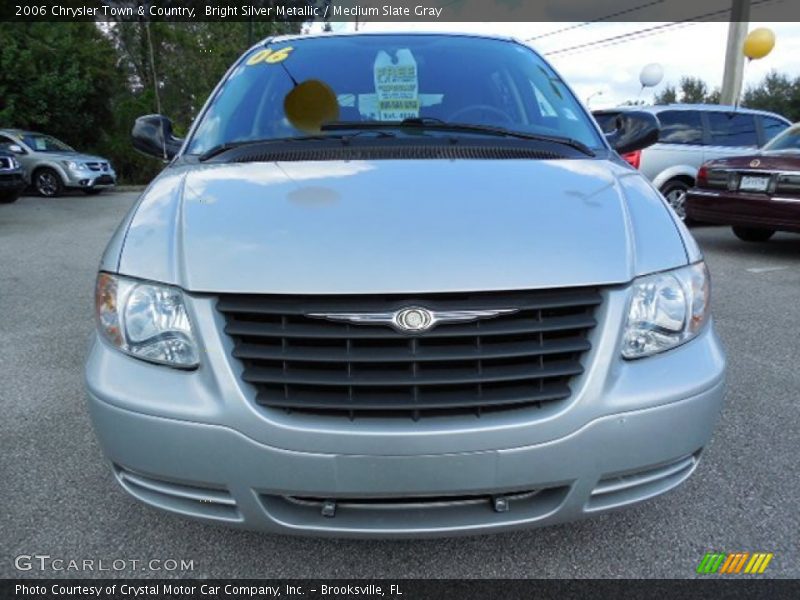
{"points": [[651, 75]]}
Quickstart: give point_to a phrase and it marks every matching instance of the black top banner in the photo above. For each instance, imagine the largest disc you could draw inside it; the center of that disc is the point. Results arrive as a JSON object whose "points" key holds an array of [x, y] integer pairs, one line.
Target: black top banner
{"points": [[400, 589], [392, 10]]}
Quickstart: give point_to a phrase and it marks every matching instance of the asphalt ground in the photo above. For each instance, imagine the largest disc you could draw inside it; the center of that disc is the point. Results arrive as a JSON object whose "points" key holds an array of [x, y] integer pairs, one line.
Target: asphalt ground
{"points": [[58, 497]]}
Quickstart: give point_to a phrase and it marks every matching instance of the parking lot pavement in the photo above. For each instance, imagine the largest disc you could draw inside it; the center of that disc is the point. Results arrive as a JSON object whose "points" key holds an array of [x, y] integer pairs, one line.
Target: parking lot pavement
{"points": [[59, 498]]}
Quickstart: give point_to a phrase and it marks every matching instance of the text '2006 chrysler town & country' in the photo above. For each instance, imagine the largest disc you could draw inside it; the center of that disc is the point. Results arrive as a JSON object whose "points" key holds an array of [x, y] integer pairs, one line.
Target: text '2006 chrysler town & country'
{"points": [[400, 285]]}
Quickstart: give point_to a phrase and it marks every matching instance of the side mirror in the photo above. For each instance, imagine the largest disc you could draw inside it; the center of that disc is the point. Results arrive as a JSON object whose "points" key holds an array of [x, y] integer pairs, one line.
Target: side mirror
{"points": [[152, 135], [16, 149], [633, 130]]}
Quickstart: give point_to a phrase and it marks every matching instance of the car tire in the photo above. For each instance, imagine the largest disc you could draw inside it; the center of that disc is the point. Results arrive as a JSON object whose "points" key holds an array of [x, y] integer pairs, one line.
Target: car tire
{"points": [[92, 191], [675, 193], [751, 234], [47, 183], [9, 197]]}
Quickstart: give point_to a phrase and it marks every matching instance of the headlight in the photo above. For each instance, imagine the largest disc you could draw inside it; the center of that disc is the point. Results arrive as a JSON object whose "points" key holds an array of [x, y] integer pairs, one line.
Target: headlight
{"points": [[146, 320], [667, 309], [73, 166]]}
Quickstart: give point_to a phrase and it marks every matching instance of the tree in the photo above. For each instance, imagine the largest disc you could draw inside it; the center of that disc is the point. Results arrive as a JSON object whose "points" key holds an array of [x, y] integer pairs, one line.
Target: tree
{"points": [[775, 93], [691, 90], [57, 79], [189, 58], [667, 96]]}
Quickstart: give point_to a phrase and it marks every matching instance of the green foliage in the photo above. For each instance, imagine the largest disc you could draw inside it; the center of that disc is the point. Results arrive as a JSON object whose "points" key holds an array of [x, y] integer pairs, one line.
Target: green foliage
{"points": [[776, 93], [667, 96], [189, 59], [86, 83], [57, 79], [693, 90], [690, 90]]}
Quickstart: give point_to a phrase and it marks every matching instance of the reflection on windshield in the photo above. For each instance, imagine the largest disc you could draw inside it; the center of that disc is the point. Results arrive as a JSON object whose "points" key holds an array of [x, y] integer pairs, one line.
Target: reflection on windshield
{"points": [[389, 78]]}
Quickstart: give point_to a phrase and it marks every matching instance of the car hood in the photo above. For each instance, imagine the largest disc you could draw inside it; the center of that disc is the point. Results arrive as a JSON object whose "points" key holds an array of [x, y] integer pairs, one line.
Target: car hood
{"points": [[399, 226]]}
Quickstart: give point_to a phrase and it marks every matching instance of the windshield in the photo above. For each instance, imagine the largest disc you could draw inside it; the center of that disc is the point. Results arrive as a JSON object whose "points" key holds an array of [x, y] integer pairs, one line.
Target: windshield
{"points": [[45, 143], [788, 141], [381, 78]]}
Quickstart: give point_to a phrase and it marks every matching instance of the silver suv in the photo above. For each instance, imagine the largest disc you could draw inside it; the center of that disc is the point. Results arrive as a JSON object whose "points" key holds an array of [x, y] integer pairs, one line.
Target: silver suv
{"points": [[692, 134], [51, 165], [400, 285]]}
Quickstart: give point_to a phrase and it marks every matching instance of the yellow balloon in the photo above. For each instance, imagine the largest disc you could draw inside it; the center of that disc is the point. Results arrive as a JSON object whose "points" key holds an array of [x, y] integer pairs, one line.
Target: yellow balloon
{"points": [[310, 104], [759, 43]]}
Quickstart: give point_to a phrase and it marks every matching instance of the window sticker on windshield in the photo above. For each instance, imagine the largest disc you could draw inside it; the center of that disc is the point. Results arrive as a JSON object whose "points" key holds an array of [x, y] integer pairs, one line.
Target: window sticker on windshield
{"points": [[269, 56], [40, 143], [396, 86], [367, 104]]}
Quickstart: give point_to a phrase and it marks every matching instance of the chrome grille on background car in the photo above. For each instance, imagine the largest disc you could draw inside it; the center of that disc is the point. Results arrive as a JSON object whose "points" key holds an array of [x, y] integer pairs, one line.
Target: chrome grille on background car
{"points": [[302, 363]]}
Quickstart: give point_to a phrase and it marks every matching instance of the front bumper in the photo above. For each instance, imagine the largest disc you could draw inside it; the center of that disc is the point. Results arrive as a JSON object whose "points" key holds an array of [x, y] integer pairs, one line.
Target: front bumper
{"points": [[88, 179], [196, 444], [215, 473], [781, 213]]}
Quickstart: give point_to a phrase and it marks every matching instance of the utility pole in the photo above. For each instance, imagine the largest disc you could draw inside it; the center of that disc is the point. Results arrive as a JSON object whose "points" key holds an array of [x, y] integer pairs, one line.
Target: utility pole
{"points": [[734, 58]]}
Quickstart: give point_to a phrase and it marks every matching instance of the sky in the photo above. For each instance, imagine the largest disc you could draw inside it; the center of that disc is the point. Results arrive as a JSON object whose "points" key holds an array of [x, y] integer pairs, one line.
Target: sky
{"points": [[696, 49]]}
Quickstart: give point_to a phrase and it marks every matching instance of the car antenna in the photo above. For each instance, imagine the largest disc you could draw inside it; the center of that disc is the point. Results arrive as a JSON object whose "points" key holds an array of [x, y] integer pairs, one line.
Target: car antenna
{"points": [[294, 81]]}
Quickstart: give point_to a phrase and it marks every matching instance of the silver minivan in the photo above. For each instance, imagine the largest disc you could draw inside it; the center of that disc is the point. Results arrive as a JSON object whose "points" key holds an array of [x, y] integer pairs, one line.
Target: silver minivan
{"points": [[692, 134], [400, 285]]}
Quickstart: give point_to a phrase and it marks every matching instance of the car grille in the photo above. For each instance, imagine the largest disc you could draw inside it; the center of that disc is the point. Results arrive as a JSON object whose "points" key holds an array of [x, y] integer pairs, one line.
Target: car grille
{"points": [[301, 363], [5, 163], [97, 166]]}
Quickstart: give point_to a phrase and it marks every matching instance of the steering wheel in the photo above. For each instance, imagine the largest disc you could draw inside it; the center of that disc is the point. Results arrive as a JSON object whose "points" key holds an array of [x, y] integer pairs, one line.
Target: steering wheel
{"points": [[479, 107]]}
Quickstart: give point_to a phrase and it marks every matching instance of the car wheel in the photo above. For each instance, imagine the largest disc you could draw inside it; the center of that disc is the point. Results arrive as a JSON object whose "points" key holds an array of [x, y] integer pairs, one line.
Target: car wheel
{"points": [[675, 193], [47, 183], [751, 234], [8, 197], [92, 191]]}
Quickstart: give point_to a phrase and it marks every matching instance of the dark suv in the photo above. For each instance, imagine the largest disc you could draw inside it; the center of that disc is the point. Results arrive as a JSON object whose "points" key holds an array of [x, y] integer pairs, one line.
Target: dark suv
{"points": [[12, 177]]}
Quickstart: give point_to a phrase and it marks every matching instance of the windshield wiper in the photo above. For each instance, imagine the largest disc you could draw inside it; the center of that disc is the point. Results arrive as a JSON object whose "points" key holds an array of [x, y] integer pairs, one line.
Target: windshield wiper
{"points": [[433, 124], [343, 138]]}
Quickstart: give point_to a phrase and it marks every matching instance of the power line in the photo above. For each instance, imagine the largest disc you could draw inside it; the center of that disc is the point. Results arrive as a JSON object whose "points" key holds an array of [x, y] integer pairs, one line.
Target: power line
{"points": [[622, 38], [648, 31], [598, 20]]}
